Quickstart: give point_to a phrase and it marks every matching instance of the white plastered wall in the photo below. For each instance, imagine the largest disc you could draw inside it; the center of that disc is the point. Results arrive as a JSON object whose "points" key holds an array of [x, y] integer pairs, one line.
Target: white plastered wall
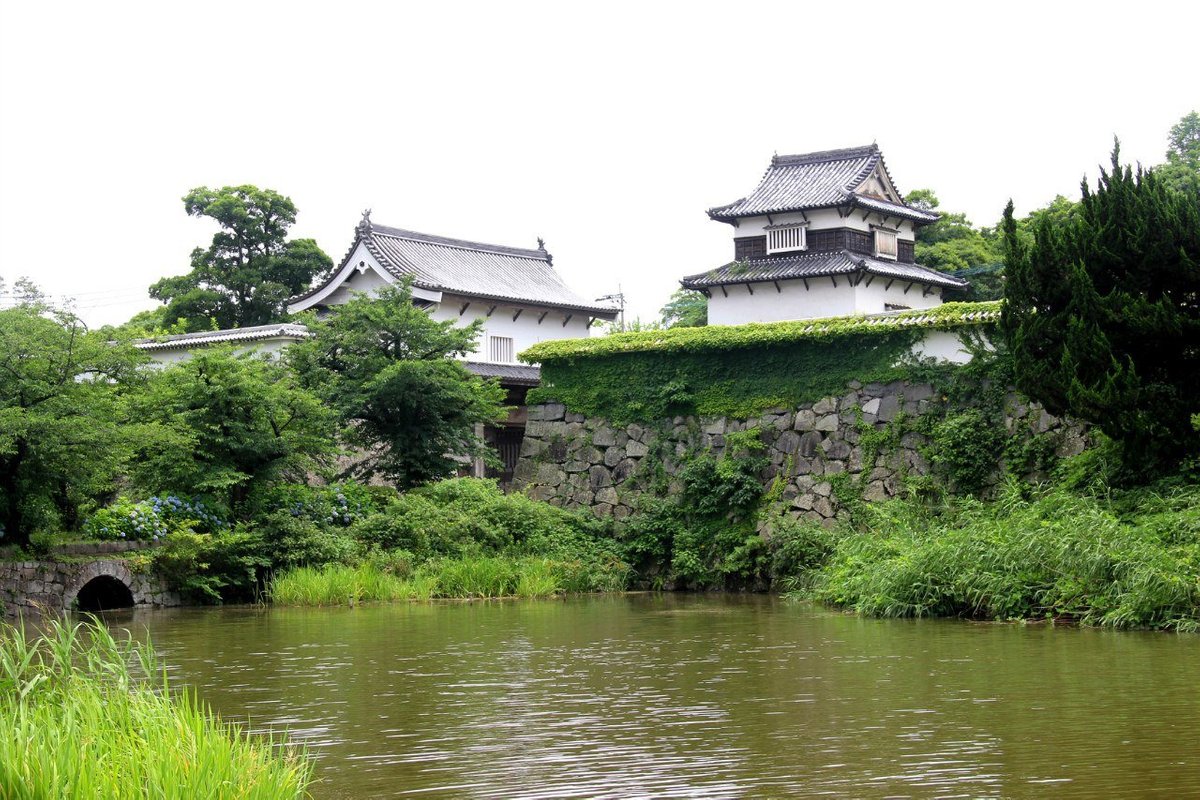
{"points": [[530, 326]]}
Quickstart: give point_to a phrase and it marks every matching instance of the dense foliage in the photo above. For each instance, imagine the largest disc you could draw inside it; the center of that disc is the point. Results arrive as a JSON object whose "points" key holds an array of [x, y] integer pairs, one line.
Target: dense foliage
{"points": [[701, 532], [247, 274], [226, 426], [1182, 170], [1103, 316], [1048, 552], [60, 397], [85, 716], [387, 369], [735, 370], [686, 308], [953, 244]]}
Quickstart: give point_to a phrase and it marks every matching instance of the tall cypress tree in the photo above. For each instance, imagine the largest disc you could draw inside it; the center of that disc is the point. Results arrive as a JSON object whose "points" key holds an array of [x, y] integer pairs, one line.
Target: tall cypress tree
{"points": [[1103, 313]]}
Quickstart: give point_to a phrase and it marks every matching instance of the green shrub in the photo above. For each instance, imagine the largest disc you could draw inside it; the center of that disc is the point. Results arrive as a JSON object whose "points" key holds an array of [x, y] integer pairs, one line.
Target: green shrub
{"points": [[965, 449], [290, 541], [211, 567]]}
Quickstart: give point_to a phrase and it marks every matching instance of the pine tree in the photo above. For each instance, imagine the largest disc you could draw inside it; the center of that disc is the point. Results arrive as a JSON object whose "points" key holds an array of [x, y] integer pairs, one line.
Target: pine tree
{"points": [[1103, 313]]}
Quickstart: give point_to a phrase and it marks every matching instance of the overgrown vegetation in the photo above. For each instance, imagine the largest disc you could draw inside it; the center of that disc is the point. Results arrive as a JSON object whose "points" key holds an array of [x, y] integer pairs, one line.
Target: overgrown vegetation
{"points": [[734, 370], [700, 533], [347, 543], [85, 716], [1124, 560]]}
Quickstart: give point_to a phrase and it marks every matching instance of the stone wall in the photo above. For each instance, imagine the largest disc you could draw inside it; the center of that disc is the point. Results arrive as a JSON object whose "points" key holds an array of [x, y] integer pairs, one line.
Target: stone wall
{"points": [[578, 462], [27, 586]]}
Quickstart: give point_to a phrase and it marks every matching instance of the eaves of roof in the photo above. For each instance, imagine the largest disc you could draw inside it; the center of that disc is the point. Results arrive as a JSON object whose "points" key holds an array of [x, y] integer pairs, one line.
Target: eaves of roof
{"points": [[815, 265]]}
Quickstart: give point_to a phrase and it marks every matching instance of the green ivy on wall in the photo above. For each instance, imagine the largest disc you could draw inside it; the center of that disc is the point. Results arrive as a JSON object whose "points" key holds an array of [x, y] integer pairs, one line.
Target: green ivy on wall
{"points": [[738, 371]]}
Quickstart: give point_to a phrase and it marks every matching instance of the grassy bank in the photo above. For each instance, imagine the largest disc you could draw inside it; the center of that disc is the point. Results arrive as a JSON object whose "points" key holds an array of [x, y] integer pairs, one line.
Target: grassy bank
{"points": [[84, 716], [458, 538], [483, 576], [1128, 560]]}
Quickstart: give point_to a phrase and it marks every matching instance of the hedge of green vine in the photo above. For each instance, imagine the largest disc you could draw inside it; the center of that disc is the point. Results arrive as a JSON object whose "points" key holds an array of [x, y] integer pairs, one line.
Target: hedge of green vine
{"points": [[737, 371]]}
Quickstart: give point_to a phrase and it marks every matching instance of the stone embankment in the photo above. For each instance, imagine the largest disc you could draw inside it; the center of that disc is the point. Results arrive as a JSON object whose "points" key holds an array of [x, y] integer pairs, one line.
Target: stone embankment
{"points": [[579, 462]]}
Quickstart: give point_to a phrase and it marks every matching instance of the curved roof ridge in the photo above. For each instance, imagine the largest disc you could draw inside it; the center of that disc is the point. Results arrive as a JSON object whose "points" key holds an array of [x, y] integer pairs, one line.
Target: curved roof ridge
{"points": [[464, 244], [818, 156]]}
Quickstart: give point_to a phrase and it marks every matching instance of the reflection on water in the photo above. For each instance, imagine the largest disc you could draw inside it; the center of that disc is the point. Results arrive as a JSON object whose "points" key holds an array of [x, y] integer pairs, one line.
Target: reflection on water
{"points": [[696, 696]]}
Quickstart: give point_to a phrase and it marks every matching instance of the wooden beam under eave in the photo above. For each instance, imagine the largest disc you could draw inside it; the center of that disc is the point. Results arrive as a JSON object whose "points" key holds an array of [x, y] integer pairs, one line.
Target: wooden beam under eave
{"points": [[519, 310], [464, 308], [906, 288], [870, 280], [805, 283], [928, 291], [889, 284], [491, 311], [567, 319], [777, 289], [750, 288], [542, 316], [834, 279], [723, 290]]}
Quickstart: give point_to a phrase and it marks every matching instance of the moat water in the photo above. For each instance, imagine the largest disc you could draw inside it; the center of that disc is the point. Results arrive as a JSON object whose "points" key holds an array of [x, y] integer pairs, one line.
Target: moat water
{"points": [[695, 696]]}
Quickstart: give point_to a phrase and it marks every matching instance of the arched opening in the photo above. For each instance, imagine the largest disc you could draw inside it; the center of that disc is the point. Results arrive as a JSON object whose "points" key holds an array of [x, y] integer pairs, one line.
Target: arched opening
{"points": [[103, 593]]}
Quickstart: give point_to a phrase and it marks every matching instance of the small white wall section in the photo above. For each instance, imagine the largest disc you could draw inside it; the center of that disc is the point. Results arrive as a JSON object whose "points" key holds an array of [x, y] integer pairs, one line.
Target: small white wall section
{"points": [[526, 328], [943, 346], [737, 305]]}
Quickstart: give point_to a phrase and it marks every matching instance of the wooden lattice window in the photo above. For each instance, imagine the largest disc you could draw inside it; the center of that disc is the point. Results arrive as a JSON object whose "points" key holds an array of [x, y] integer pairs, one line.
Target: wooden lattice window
{"points": [[500, 349], [783, 238]]}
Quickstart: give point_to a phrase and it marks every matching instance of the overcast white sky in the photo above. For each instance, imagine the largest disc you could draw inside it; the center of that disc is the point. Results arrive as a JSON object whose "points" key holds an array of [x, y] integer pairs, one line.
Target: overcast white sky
{"points": [[606, 128]]}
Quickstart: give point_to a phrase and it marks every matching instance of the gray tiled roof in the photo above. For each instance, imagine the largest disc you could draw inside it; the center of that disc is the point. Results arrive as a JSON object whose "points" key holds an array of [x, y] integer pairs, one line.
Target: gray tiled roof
{"points": [[286, 330], [474, 269], [815, 180], [524, 374], [815, 265]]}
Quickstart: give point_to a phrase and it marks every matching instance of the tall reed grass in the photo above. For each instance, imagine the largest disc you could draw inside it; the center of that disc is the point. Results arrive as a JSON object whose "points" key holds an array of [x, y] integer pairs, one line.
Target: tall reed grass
{"points": [[85, 716], [1055, 554], [465, 577]]}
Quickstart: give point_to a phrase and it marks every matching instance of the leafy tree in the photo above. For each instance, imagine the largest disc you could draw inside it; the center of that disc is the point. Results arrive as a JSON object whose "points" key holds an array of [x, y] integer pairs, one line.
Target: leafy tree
{"points": [[62, 437], [1182, 170], [228, 425], [249, 271], [1103, 313], [388, 370], [953, 244], [686, 308]]}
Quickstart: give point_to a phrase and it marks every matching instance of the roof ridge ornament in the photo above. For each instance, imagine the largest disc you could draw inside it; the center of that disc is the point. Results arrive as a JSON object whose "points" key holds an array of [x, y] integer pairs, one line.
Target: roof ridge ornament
{"points": [[542, 247], [364, 225]]}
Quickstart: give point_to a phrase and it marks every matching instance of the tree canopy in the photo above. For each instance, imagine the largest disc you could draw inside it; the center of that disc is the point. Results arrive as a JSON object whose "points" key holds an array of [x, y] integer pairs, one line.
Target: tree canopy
{"points": [[245, 276], [1182, 170], [686, 308], [388, 370], [953, 244], [224, 425], [63, 429], [1103, 312]]}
